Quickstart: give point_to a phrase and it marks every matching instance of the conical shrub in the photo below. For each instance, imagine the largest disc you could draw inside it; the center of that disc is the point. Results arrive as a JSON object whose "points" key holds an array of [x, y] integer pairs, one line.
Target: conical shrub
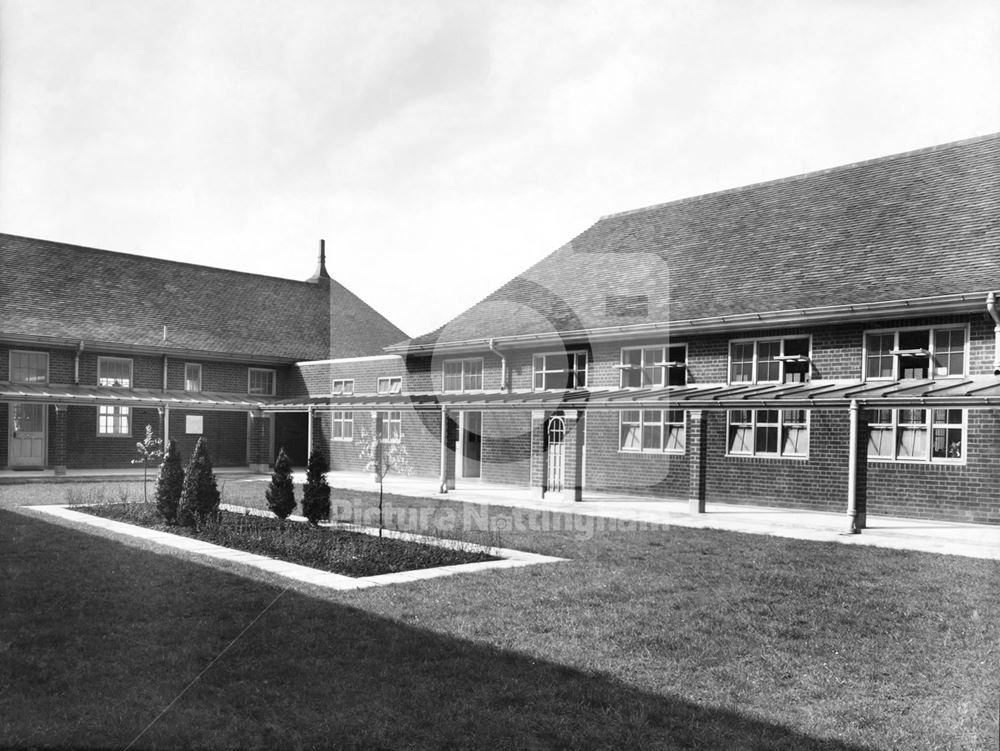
{"points": [[169, 484], [281, 492], [200, 493], [316, 492]]}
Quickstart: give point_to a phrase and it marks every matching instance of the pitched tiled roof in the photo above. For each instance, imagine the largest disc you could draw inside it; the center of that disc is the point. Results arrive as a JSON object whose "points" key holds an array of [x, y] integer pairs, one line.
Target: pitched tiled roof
{"points": [[50, 289], [914, 225]]}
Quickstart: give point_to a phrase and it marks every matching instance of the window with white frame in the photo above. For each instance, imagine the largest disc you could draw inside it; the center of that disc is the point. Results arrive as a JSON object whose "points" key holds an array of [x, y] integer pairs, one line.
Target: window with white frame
{"points": [[935, 352], [916, 435], [390, 425], [463, 375], [114, 371], [192, 376], [784, 360], [342, 426], [260, 381], [769, 432], [389, 385], [29, 367], [560, 371], [652, 430], [114, 421], [649, 367], [342, 386]]}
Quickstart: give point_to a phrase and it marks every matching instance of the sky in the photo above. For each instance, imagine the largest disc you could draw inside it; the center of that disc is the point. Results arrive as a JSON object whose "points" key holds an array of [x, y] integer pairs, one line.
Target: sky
{"points": [[443, 146]]}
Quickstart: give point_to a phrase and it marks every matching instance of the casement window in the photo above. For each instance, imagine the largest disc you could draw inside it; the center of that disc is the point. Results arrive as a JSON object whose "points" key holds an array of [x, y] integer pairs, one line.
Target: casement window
{"points": [[260, 381], [652, 430], [560, 371], [342, 426], [389, 385], [29, 367], [390, 424], [192, 376], [769, 432], [114, 421], [938, 352], [650, 367], [463, 375], [783, 360], [343, 386], [114, 371], [916, 435]]}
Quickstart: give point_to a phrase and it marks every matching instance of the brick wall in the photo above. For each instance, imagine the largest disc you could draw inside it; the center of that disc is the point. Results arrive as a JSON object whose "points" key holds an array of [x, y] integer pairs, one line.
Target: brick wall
{"points": [[506, 447]]}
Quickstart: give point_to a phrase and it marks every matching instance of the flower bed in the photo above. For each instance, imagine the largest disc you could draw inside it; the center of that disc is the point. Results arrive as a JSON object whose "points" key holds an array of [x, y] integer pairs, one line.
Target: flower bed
{"points": [[326, 548]]}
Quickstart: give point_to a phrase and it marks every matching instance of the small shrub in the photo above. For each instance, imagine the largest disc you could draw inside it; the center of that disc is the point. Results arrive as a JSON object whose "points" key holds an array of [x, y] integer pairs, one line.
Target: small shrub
{"points": [[280, 492], [316, 491], [150, 450], [199, 493], [169, 484]]}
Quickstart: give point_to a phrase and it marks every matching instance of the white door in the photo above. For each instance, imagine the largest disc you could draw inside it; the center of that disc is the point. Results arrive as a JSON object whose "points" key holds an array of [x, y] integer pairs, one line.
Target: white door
{"points": [[27, 436]]}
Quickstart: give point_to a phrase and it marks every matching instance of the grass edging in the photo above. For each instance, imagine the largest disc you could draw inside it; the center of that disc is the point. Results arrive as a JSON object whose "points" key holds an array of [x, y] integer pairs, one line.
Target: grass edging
{"points": [[507, 558]]}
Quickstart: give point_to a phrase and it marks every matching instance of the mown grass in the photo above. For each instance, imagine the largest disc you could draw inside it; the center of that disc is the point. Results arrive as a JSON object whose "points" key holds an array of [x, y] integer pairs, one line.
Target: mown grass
{"points": [[328, 549], [652, 638]]}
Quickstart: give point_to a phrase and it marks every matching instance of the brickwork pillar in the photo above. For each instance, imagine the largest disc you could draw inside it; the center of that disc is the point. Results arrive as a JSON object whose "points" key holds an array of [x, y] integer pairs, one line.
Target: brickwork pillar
{"points": [[574, 456], [59, 440], [697, 432]]}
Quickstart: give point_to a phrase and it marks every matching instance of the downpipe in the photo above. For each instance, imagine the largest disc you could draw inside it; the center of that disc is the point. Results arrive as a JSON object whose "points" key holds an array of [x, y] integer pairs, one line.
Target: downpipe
{"points": [[991, 308]]}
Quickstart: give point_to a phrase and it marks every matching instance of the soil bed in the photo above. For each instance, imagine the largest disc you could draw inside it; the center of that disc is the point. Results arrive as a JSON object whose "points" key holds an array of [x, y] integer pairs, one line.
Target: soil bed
{"points": [[326, 548]]}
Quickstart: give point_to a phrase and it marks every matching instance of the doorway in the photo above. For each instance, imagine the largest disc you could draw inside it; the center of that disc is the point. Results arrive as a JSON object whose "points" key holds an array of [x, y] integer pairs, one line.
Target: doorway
{"points": [[27, 436], [555, 440], [471, 445]]}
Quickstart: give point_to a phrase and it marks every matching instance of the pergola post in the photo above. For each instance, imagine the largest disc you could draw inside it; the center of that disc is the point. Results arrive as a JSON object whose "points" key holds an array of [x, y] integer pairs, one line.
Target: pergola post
{"points": [[444, 451], [59, 441], [852, 472], [309, 433], [697, 461]]}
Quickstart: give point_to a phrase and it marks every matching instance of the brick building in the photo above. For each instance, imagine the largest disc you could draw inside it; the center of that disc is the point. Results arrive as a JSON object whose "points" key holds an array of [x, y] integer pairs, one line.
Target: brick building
{"points": [[96, 345], [825, 341]]}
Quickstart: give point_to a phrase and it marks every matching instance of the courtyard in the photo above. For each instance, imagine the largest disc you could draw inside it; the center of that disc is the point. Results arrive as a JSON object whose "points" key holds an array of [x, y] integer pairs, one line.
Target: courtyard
{"points": [[649, 635]]}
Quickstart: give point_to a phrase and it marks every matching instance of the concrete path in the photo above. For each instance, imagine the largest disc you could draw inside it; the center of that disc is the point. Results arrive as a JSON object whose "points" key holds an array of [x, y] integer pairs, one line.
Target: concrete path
{"points": [[950, 538]]}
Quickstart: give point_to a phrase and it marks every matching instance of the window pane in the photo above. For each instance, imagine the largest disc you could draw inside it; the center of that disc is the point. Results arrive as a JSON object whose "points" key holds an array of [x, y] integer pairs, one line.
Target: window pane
{"points": [[192, 377], [949, 352], [878, 362], [29, 367], [742, 367], [911, 443], [652, 436], [947, 443], [453, 376], [739, 439], [880, 442], [675, 438], [768, 369], [114, 371], [796, 440]]}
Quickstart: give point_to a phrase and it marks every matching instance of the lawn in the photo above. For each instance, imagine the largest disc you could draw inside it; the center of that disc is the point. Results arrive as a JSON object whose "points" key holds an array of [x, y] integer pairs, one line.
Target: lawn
{"points": [[655, 638]]}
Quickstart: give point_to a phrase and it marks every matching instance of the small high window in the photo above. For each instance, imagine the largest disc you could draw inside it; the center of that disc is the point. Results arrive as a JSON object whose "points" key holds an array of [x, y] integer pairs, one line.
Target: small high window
{"points": [[260, 381], [114, 371], [916, 353], [560, 371], [651, 367], [342, 386], [389, 385], [463, 375], [769, 360], [29, 367], [192, 376]]}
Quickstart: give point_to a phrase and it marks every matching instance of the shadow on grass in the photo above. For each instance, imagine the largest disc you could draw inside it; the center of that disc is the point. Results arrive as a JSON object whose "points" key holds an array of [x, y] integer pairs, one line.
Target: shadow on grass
{"points": [[97, 639]]}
